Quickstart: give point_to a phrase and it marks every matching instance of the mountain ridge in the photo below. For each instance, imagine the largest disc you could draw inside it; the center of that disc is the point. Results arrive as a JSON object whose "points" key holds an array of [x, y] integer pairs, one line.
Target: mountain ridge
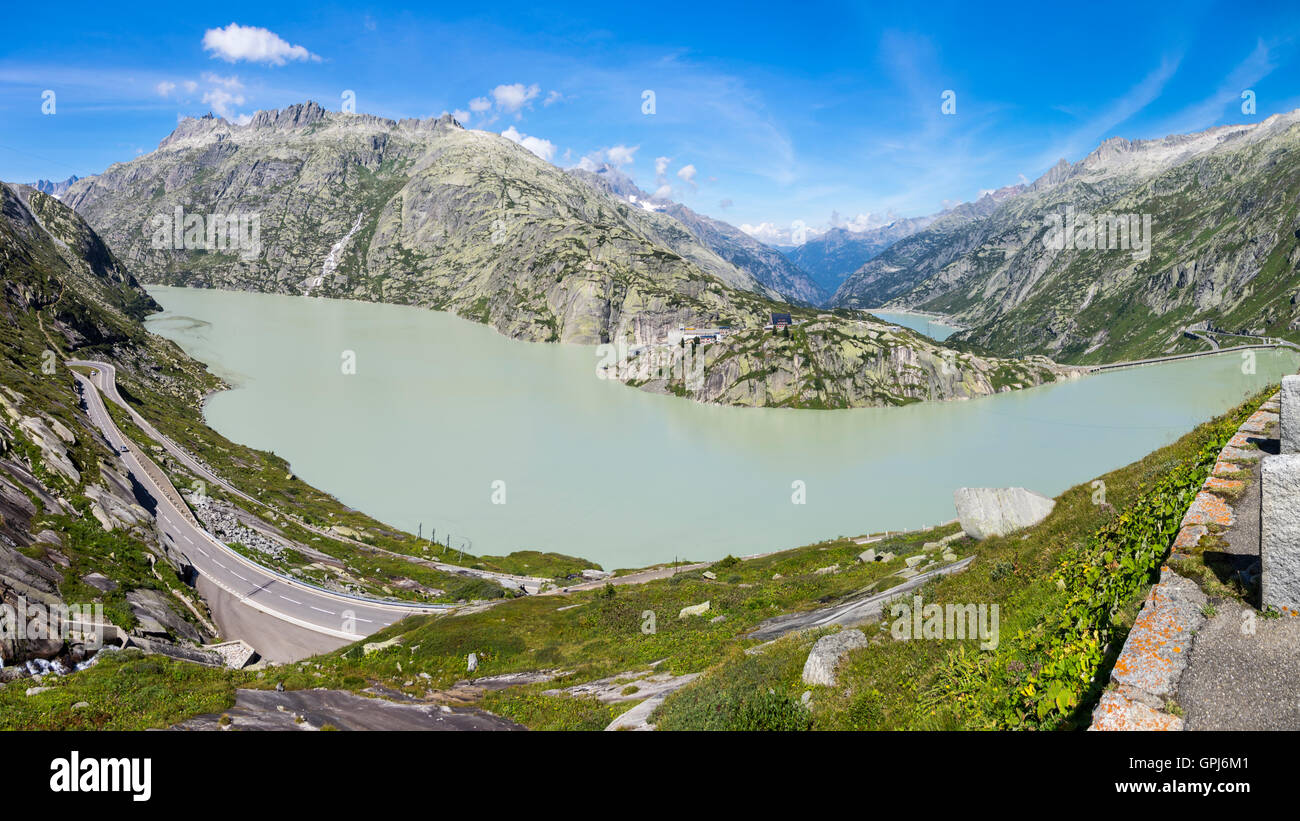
{"points": [[1222, 203]]}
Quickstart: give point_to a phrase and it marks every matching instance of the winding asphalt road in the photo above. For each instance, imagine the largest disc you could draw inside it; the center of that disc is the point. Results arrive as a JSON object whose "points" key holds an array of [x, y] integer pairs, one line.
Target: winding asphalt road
{"points": [[104, 375], [333, 614]]}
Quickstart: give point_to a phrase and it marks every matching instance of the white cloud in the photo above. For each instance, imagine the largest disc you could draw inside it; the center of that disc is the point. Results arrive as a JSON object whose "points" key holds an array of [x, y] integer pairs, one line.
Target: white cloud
{"points": [[661, 165], [461, 115], [863, 222], [479, 104], [164, 88], [775, 234], [616, 156], [256, 45], [767, 232], [223, 101], [553, 97], [542, 148], [687, 175], [513, 97], [620, 155], [1086, 136], [190, 86]]}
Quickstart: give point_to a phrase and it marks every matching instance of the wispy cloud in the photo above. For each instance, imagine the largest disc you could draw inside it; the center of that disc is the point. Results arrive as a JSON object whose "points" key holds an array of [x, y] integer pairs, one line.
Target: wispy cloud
{"points": [[1088, 134], [1260, 63]]}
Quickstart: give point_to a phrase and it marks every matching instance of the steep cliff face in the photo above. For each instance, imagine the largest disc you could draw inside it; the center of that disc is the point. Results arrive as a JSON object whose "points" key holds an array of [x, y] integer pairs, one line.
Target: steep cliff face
{"points": [[416, 212], [830, 362], [72, 529], [1113, 257]]}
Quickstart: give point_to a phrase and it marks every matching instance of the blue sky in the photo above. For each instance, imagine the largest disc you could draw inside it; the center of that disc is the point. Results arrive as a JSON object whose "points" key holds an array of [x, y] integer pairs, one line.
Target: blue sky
{"points": [[764, 113]]}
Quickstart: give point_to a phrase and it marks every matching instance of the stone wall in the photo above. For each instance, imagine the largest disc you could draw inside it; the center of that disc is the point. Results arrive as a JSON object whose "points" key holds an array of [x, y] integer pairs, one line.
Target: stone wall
{"points": [[1146, 675]]}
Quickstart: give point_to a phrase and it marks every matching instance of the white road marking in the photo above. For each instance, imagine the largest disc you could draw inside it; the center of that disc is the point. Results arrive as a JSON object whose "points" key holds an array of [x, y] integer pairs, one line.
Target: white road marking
{"points": [[204, 552], [219, 564], [314, 607], [367, 621], [286, 598], [237, 576], [187, 538]]}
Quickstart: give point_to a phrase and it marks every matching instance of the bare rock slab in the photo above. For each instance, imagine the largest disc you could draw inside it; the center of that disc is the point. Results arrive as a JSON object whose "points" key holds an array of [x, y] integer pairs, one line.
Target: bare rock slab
{"points": [[826, 655], [997, 511]]}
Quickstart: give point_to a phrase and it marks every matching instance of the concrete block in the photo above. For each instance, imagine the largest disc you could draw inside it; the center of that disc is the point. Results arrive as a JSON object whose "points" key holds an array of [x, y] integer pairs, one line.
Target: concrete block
{"points": [[1290, 414], [1279, 532]]}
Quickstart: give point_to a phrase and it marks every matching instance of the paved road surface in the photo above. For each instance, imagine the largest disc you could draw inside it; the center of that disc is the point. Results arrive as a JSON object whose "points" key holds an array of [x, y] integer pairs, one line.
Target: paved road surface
{"points": [[253, 586], [104, 376], [1155, 360]]}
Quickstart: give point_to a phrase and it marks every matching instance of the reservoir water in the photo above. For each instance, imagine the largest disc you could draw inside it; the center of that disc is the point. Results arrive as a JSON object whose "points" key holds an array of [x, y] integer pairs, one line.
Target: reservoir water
{"points": [[440, 410], [919, 323]]}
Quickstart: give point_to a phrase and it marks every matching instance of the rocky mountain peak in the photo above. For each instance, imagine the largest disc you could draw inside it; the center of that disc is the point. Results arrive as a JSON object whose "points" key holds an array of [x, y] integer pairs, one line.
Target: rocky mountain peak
{"points": [[196, 128], [1056, 174], [299, 115], [54, 188]]}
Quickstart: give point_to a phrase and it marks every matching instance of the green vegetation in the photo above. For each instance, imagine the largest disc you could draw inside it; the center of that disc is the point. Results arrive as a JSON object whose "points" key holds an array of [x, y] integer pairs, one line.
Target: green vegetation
{"points": [[535, 563], [1067, 588], [124, 691]]}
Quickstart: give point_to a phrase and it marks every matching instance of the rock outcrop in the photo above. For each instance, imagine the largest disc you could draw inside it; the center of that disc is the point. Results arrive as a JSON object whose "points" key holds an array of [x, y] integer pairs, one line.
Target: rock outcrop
{"points": [[997, 511], [826, 654]]}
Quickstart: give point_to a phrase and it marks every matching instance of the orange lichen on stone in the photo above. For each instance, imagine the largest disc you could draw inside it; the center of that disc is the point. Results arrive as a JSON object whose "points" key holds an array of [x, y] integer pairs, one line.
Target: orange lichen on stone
{"points": [[1259, 421], [1242, 454], [1208, 509], [1147, 661], [1116, 712], [1226, 468], [1189, 537], [1219, 483], [1242, 439]]}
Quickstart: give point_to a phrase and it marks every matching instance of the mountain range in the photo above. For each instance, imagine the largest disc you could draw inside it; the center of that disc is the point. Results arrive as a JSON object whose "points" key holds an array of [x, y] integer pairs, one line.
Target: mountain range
{"points": [[427, 213], [1112, 257], [54, 189]]}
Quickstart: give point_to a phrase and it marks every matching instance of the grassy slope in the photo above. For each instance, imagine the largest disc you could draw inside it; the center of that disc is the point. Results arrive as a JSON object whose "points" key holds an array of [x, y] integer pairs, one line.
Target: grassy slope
{"points": [[892, 684]]}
